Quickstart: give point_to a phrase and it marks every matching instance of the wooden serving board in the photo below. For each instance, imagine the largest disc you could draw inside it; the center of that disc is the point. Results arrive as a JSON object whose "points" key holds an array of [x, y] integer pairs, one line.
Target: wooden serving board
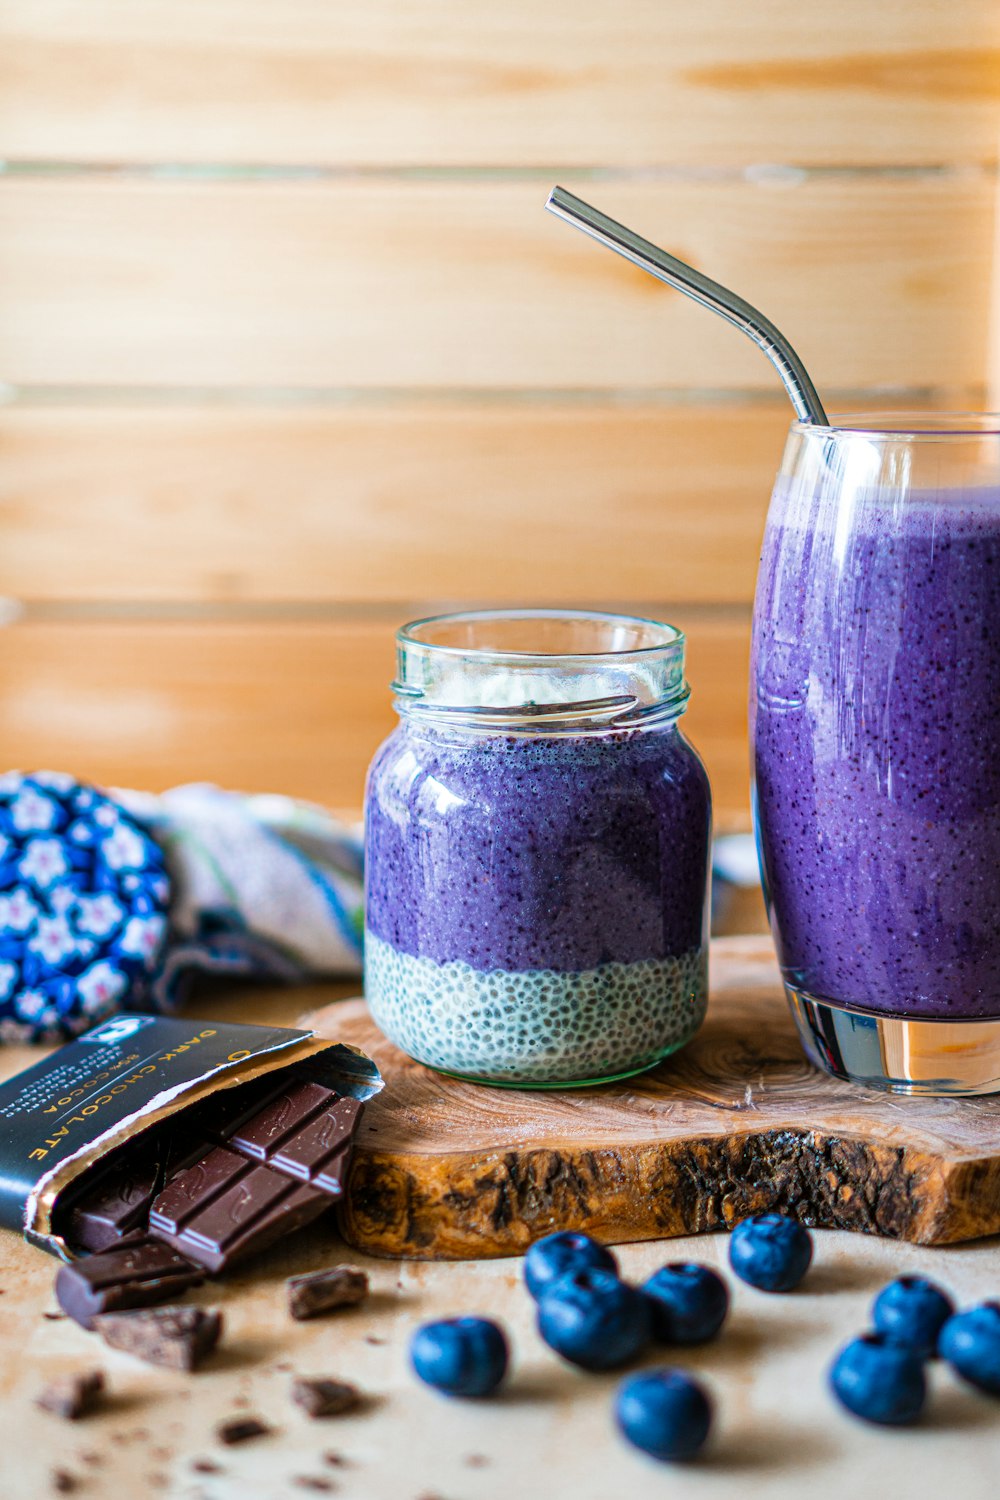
{"points": [[737, 1123]]}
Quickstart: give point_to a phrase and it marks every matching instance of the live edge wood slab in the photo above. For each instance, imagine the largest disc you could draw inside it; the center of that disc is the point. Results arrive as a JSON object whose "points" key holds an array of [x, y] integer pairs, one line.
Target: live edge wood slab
{"points": [[737, 1123]]}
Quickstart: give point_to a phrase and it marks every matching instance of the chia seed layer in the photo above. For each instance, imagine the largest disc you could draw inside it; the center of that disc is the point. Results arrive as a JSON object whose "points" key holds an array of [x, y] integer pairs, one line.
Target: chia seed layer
{"points": [[541, 1025]]}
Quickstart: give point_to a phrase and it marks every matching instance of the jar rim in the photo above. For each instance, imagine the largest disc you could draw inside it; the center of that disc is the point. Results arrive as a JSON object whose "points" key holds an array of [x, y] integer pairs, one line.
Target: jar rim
{"points": [[904, 426], [508, 669], [414, 633]]}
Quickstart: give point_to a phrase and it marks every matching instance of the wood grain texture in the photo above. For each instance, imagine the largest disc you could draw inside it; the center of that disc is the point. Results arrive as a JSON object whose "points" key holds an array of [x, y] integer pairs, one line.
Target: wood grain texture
{"points": [[579, 83], [290, 706], [431, 284], [550, 502], [737, 1123]]}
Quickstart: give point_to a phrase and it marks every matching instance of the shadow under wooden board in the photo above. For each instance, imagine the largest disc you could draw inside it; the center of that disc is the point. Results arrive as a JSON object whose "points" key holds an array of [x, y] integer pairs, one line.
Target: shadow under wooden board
{"points": [[738, 1123]]}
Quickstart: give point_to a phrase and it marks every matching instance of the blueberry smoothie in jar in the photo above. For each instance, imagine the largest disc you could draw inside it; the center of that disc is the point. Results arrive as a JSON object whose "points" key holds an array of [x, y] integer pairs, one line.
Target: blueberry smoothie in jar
{"points": [[875, 721], [537, 849]]}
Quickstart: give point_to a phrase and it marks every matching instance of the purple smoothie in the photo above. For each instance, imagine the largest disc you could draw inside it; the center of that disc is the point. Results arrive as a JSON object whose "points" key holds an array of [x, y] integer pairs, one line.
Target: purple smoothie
{"points": [[518, 853], [875, 720]]}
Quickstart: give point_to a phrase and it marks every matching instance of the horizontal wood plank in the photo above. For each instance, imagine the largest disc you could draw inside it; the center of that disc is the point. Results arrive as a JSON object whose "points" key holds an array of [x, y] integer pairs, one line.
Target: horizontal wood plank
{"points": [[573, 81], [295, 707], [435, 284], [553, 502]]}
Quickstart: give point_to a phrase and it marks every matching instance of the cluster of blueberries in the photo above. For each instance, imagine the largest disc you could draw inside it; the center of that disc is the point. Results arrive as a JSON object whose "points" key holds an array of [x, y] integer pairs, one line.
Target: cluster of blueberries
{"points": [[592, 1318]]}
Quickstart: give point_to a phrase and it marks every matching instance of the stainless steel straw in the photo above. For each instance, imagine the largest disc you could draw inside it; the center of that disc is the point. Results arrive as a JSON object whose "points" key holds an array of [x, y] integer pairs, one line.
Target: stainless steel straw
{"points": [[709, 293]]}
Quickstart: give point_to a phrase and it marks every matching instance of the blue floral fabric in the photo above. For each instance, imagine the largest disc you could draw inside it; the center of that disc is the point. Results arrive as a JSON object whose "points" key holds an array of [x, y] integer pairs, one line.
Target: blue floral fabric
{"points": [[84, 895]]}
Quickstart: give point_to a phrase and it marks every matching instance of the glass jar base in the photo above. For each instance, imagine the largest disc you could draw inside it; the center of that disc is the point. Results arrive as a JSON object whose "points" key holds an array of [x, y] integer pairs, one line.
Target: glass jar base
{"points": [[898, 1054], [526, 1084]]}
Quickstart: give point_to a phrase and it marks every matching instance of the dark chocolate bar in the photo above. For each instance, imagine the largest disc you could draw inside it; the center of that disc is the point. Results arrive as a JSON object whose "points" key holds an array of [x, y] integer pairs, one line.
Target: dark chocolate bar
{"points": [[280, 1162], [218, 1215], [134, 1275]]}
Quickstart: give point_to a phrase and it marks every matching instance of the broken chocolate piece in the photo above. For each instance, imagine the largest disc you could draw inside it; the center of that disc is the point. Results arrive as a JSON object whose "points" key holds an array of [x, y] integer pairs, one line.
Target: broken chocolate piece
{"points": [[325, 1398], [72, 1396], [177, 1337], [63, 1482], [241, 1430], [338, 1286], [131, 1276], [116, 1203]]}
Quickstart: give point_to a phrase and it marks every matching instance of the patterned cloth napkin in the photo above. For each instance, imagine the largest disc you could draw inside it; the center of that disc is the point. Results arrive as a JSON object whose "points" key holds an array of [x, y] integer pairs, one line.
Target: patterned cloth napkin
{"points": [[116, 901]]}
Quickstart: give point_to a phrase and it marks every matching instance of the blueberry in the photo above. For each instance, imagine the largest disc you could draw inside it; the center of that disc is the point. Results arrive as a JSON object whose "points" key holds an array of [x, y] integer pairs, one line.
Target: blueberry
{"points": [[462, 1356], [770, 1252], [970, 1342], [556, 1254], [689, 1302], [879, 1380], [664, 1412], [912, 1311], [593, 1319]]}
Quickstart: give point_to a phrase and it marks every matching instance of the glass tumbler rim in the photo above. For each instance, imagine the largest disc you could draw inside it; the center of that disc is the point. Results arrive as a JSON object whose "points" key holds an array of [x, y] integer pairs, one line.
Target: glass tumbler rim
{"points": [[905, 426]]}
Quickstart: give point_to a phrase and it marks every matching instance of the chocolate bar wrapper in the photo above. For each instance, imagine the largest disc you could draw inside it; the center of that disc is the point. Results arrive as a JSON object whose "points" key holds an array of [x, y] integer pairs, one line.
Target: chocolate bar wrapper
{"points": [[126, 1077]]}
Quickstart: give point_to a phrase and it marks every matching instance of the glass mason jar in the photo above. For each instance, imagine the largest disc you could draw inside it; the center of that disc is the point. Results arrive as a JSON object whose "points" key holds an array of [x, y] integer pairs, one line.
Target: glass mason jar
{"points": [[537, 849], [875, 724]]}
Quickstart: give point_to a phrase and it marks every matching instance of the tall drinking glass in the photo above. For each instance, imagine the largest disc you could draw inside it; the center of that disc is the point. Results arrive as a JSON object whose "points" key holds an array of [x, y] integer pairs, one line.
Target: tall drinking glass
{"points": [[875, 729]]}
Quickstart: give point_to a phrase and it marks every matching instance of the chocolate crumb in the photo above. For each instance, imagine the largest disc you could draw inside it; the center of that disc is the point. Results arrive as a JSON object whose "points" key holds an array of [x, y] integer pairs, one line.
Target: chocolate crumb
{"points": [[72, 1396], [54, 1317], [322, 1291], [206, 1466], [92, 1458], [63, 1482], [334, 1459], [314, 1482], [325, 1398], [284, 1365], [178, 1338], [476, 1460], [370, 1338], [241, 1430]]}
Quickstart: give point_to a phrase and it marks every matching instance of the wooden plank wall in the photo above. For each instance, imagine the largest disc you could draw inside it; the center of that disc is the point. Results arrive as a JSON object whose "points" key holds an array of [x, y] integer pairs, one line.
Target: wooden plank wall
{"points": [[291, 352]]}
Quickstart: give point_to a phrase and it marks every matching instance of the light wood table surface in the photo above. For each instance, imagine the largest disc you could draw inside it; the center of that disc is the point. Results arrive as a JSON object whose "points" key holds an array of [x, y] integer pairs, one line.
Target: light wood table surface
{"points": [[778, 1433]]}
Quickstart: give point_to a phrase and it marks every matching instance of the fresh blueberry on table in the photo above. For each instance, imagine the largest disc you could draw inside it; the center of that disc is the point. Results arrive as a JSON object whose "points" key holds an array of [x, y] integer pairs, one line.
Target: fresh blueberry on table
{"points": [[689, 1302], [550, 1258], [770, 1252], [912, 1311], [879, 1380], [593, 1319], [461, 1356], [664, 1412], [970, 1342]]}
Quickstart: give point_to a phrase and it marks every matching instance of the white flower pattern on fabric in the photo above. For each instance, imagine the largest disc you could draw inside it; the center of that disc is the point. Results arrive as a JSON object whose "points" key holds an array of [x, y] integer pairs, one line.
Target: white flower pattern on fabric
{"points": [[142, 937], [32, 1004], [31, 812], [43, 862], [101, 986], [123, 849], [98, 915], [17, 911], [53, 940], [83, 898]]}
